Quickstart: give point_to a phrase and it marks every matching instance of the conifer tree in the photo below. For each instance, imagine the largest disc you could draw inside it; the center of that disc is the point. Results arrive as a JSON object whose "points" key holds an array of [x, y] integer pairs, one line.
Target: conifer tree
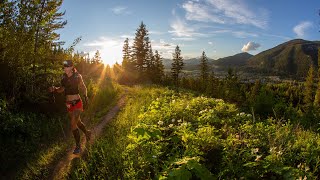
{"points": [[204, 67], [308, 92], [127, 64], [177, 66], [150, 64], [317, 97], [31, 26], [159, 68], [139, 49], [97, 58]]}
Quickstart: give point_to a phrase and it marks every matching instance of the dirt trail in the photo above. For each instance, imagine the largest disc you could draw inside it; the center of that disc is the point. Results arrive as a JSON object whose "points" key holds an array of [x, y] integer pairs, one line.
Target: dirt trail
{"points": [[64, 165]]}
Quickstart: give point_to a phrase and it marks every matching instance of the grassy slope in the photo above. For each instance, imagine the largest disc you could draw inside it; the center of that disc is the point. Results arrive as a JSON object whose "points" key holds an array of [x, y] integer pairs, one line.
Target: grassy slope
{"points": [[162, 134]]}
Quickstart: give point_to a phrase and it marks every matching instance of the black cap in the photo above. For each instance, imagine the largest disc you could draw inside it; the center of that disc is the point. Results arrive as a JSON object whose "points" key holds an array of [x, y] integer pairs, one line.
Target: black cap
{"points": [[67, 63]]}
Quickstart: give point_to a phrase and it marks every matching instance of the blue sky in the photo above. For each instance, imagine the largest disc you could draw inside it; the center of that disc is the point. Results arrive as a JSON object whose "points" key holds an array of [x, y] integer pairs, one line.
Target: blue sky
{"points": [[218, 27]]}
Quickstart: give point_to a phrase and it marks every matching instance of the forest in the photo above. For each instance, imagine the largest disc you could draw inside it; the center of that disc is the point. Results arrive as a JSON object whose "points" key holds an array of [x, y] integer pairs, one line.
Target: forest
{"points": [[172, 126]]}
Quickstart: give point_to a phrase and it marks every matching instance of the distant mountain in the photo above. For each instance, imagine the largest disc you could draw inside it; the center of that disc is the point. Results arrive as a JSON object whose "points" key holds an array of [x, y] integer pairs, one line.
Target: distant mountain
{"points": [[189, 64], [236, 60], [290, 58]]}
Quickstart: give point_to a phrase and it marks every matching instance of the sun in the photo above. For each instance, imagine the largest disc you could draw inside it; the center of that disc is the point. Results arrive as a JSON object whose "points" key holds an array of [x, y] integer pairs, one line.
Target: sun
{"points": [[111, 54]]}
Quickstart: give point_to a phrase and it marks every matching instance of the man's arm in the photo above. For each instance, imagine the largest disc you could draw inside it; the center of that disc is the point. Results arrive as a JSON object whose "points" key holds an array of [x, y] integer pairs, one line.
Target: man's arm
{"points": [[59, 89], [56, 89]]}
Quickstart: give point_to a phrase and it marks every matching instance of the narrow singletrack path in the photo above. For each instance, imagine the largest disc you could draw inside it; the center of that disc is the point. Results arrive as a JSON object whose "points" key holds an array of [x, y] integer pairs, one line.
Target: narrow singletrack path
{"points": [[63, 167]]}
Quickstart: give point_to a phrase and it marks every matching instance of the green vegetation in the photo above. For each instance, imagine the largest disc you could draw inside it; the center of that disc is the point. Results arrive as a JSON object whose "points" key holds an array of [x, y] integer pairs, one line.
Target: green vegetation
{"points": [[259, 130], [161, 134], [54, 145], [34, 122]]}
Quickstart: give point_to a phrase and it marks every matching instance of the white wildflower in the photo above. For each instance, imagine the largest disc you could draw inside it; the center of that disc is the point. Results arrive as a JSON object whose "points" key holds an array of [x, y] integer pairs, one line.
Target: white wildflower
{"points": [[242, 114], [258, 158], [179, 121], [255, 150], [160, 123], [299, 165], [272, 150], [170, 125], [307, 168], [173, 120], [249, 115], [184, 124]]}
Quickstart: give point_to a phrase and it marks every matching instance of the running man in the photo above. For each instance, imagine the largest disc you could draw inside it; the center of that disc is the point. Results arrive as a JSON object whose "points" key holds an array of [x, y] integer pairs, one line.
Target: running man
{"points": [[70, 84]]}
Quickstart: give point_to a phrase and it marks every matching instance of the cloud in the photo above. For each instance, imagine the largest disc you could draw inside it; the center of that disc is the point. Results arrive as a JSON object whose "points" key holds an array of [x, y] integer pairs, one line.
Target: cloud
{"points": [[156, 32], [164, 48], [301, 28], [243, 34], [225, 12], [183, 31], [127, 36], [211, 43], [277, 36], [237, 34], [120, 10], [250, 46], [184, 39]]}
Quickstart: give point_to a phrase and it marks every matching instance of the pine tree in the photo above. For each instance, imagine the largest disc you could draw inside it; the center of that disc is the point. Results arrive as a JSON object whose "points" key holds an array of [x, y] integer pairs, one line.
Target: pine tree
{"points": [[317, 97], [150, 64], [308, 93], [127, 64], [28, 33], [97, 58], [139, 49], [204, 67], [177, 66], [159, 68]]}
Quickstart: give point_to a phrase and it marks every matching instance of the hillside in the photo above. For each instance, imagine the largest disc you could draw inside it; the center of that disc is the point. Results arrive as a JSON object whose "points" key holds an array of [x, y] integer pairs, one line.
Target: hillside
{"points": [[290, 58], [190, 64], [237, 60]]}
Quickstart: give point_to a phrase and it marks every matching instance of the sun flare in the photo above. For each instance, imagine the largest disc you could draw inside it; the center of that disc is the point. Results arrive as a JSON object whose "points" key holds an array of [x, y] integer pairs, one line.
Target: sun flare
{"points": [[111, 54]]}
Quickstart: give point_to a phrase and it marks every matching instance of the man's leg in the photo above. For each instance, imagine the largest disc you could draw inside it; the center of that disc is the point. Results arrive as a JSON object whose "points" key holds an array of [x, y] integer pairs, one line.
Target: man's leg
{"points": [[75, 132], [81, 125]]}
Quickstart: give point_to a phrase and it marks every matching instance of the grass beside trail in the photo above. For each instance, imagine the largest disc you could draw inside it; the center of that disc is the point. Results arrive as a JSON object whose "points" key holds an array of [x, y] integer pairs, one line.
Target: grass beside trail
{"points": [[104, 159], [161, 134], [102, 98]]}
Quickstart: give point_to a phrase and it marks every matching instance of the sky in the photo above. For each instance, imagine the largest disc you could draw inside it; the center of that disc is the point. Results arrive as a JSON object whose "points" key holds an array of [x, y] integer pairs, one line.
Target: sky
{"points": [[219, 27]]}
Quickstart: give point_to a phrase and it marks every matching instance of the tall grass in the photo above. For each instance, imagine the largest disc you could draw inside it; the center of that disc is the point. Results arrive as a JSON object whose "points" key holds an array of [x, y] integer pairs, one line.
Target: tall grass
{"points": [[104, 159], [102, 96]]}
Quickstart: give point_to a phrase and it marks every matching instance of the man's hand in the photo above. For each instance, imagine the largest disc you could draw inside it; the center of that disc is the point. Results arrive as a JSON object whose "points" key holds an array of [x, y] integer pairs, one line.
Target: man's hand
{"points": [[52, 89]]}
